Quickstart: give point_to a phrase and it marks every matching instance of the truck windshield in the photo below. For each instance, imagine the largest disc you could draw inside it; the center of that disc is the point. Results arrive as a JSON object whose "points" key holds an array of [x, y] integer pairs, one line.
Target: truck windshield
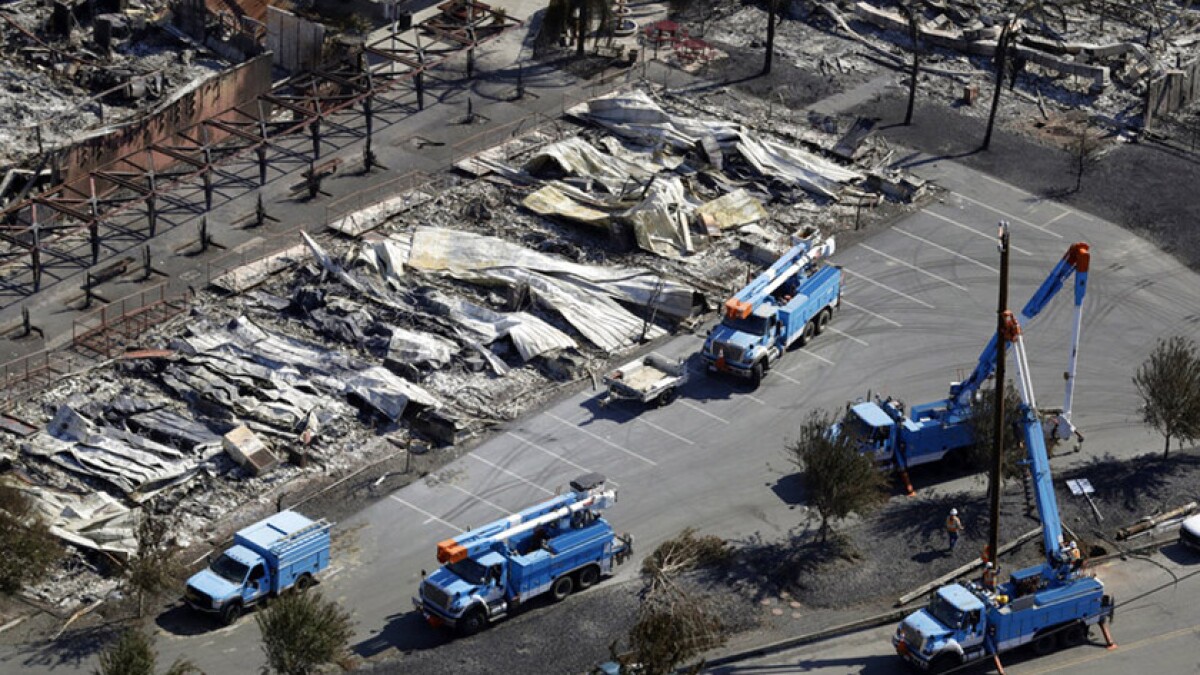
{"points": [[858, 429], [754, 325], [229, 569], [943, 611], [469, 571]]}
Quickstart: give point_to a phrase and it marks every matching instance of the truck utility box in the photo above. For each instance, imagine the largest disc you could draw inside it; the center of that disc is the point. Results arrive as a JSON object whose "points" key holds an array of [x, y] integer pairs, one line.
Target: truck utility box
{"points": [[267, 558]]}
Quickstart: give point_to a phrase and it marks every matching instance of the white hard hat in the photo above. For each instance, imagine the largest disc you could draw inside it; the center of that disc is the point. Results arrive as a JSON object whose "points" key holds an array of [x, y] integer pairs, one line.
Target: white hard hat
{"points": [[988, 565], [1072, 544], [954, 512]]}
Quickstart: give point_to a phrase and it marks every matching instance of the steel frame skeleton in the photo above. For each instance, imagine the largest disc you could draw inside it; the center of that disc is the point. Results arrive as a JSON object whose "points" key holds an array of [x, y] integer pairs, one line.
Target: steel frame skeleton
{"points": [[121, 204]]}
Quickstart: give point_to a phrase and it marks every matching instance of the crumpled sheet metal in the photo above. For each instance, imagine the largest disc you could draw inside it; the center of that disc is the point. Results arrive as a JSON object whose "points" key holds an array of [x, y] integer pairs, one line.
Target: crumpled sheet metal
{"points": [[137, 466], [735, 209], [661, 221], [531, 336], [635, 116], [576, 157], [417, 348], [468, 255], [92, 521], [551, 202], [586, 296]]}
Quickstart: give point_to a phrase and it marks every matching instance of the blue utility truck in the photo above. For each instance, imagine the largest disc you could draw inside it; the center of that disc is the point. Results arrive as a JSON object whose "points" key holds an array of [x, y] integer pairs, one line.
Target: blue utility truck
{"points": [[553, 548], [928, 432], [267, 558], [789, 303], [1046, 606]]}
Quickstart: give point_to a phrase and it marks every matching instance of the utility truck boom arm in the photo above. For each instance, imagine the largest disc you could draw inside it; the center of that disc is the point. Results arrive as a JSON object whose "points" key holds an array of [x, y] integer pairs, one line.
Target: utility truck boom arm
{"points": [[742, 304]]}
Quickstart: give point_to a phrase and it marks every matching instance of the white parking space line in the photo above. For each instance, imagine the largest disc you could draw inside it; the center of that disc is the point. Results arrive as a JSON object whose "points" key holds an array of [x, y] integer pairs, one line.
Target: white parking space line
{"points": [[506, 471], [602, 439], [481, 500], [927, 273], [426, 513], [846, 335], [804, 350], [952, 252], [756, 399], [666, 431], [1056, 218], [704, 412], [974, 231], [885, 287], [556, 455], [787, 377], [1010, 216], [864, 310]]}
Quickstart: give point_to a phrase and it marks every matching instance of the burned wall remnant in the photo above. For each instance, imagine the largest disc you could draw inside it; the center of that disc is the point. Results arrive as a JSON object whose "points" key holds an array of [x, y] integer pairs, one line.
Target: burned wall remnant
{"points": [[1172, 92]]}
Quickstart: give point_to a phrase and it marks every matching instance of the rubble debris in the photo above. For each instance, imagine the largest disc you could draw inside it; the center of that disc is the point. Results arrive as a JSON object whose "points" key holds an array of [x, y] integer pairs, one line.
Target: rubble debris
{"points": [[733, 209], [249, 451], [137, 466], [531, 336], [243, 278], [410, 347], [360, 222], [93, 521]]}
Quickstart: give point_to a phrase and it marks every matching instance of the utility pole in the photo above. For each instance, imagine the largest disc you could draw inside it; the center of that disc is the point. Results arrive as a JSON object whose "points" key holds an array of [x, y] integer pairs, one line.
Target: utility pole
{"points": [[998, 407]]}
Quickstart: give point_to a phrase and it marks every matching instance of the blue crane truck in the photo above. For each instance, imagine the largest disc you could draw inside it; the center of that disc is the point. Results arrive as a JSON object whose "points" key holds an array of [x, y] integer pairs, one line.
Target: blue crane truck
{"points": [[1046, 606], [930, 431], [789, 303], [552, 548], [267, 558]]}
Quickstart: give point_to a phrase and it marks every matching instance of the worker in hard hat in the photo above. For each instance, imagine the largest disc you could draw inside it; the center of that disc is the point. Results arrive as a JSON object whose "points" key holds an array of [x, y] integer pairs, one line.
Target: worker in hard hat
{"points": [[954, 526], [1075, 555], [990, 573]]}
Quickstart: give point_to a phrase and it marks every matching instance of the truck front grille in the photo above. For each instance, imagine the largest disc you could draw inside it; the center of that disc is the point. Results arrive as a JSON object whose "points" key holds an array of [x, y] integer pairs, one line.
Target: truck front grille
{"points": [[198, 598], [434, 595], [913, 638], [733, 353]]}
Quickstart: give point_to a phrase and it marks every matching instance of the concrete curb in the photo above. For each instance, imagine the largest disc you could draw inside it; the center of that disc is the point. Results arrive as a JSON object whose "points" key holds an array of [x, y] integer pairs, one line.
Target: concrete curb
{"points": [[816, 636]]}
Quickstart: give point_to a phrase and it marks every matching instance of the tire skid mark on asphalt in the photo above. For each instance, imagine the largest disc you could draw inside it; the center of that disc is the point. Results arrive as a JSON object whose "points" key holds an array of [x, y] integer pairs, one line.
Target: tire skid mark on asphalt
{"points": [[952, 252], [972, 230], [704, 412], [870, 313], [913, 267], [431, 517], [885, 287], [510, 473], [555, 455], [481, 500], [602, 439], [1007, 215]]}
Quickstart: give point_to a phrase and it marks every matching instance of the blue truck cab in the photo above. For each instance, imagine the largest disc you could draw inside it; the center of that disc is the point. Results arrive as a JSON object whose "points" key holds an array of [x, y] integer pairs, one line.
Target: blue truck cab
{"points": [[753, 335], [895, 440], [553, 548], [267, 558]]}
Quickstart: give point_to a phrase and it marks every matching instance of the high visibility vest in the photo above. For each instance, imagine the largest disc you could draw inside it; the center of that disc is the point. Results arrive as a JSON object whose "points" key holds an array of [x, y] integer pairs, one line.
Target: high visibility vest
{"points": [[953, 524], [989, 578]]}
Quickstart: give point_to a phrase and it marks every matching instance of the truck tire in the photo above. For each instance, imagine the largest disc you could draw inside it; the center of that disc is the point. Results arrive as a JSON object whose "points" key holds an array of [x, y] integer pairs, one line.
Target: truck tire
{"points": [[807, 335], [823, 320], [944, 663], [472, 622], [1045, 644], [588, 577], [231, 613], [667, 396], [756, 373], [562, 588], [1074, 635], [304, 582]]}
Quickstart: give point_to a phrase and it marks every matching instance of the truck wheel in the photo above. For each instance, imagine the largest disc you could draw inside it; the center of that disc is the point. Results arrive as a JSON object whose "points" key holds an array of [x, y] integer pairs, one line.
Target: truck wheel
{"points": [[756, 373], [304, 582], [231, 613], [1045, 644], [472, 622], [562, 588], [588, 577], [809, 331], [944, 663], [1074, 636], [823, 320], [667, 396]]}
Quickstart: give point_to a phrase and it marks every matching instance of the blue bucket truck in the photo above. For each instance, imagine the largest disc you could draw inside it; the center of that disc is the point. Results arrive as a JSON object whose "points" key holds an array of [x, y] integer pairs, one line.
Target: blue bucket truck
{"points": [[554, 548], [1047, 606], [267, 558], [789, 303]]}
